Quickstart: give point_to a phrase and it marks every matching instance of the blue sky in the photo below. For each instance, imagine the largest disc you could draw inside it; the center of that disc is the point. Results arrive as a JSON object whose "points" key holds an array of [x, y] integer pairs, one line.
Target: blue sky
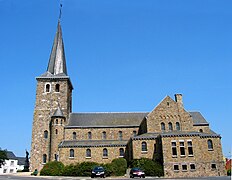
{"points": [[122, 55]]}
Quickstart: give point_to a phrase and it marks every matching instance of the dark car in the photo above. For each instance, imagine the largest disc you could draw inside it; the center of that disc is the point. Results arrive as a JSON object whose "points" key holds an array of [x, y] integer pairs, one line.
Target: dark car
{"points": [[98, 171], [136, 172]]}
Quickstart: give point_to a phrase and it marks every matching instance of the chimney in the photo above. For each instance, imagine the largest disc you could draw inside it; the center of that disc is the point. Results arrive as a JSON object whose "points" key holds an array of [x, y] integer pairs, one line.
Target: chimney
{"points": [[178, 98]]}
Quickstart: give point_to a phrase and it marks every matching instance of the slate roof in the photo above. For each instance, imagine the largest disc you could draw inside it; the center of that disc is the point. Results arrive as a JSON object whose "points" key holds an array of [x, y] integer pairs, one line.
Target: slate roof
{"points": [[58, 113], [194, 133], [122, 119], [10, 155], [93, 143], [146, 136], [118, 119], [198, 119], [21, 160]]}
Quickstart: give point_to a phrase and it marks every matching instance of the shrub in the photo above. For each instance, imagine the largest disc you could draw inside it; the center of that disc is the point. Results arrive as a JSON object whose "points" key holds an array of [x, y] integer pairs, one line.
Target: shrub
{"points": [[119, 167], [150, 167], [70, 170], [53, 168], [85, 168], [108, 169]]}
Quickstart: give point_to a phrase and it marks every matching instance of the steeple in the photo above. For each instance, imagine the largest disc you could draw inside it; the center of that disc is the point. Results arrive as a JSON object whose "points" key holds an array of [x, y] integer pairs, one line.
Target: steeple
{"points": [[57, 62]]}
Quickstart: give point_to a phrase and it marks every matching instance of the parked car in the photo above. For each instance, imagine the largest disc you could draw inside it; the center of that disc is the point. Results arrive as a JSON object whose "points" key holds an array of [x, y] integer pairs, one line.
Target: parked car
{"points": [[136, 172], [98, 171]]}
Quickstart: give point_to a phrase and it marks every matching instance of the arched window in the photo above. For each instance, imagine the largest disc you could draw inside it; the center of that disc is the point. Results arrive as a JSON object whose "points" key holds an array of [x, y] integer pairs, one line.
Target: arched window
{"points": [[200, 130], [45, 134], [120, 135], [162, 126], [71, 153], [210, 144], [44, 158], [89, 135], [103, 135], [56, 131], [105, 152], [88, 153], [74, 135], [57, 89], [144, 146], [121, 152], [134, 133], [170, 126], [47, 88], [56, 121], [177, 126]]}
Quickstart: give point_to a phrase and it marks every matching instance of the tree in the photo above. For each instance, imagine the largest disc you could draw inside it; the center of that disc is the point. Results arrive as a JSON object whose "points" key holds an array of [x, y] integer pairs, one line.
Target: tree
{"points": [[3, 157]]}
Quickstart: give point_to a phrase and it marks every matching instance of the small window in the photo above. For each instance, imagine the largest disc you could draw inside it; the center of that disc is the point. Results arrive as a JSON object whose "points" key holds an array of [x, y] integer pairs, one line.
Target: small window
{"points": [[57, 89], [144, 146], [45, 134], [105, 152], [120, 135], [174, 150], [210, 144], [56, 131], [170, 126], [44, 158], [192, 167], [177, 126], [213, 166], [200, 130], [74, 135], [12, 163], [71, 153], [155, 148], [162, 126], [168, 104], [61, 121], [88, 153], [103, 135], [121, 152], [134, 133], [182, 149], [184, 167], [190, 148], [55, 157], [47, 88], [56, 121], [89, 135], [176, 167]]}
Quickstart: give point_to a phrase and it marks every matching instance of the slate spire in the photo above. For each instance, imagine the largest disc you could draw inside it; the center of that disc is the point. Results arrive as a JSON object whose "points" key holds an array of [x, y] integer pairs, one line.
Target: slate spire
{"points": [[57, 62]]}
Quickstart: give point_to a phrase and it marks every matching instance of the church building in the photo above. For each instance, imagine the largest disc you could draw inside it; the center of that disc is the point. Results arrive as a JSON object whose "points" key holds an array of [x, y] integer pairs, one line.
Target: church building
{"points": [[181, 140]]}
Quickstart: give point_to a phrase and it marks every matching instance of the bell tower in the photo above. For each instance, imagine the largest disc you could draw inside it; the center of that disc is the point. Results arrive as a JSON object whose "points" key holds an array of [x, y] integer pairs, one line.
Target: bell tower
{"points": [[53, 102]]}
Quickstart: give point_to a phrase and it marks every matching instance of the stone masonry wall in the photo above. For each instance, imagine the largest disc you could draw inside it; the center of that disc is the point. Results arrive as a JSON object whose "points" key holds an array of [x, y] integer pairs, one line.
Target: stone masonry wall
{"points": [[169, 111], [45, 105], [96, 155], [111, 133], [202, 157]]}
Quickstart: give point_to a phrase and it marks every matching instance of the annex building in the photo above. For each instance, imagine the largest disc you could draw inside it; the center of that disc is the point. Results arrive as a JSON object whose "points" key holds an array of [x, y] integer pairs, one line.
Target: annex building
{"points": [[181, 140]]}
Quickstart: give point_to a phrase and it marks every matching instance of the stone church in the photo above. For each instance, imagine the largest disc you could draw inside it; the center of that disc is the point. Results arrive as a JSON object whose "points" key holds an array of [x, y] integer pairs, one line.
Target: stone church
{"points": [[181, 140]]}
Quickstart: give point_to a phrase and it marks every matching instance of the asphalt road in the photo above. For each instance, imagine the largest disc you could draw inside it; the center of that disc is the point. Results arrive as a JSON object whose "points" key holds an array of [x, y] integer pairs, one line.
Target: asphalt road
{"points": [[15, 177]]}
